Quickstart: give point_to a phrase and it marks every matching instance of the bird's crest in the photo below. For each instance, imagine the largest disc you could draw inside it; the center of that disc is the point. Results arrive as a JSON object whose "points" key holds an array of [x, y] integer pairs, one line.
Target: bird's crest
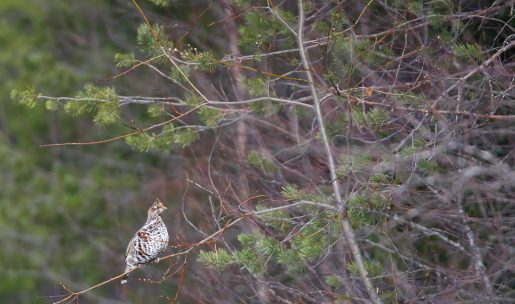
{"points": [[157, 207]]}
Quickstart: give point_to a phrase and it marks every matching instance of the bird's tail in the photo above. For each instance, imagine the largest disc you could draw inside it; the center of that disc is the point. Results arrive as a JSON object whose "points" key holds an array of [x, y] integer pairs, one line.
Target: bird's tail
{"points": [[125, 277]]}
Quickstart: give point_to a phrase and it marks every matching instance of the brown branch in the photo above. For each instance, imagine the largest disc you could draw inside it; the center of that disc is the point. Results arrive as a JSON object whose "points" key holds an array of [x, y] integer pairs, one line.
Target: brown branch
{"points": [[75, 295]]}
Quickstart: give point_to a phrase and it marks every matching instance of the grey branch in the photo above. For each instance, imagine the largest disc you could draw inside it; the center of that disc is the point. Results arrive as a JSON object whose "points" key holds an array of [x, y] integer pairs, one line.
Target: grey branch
{"points": [[347, 229]]}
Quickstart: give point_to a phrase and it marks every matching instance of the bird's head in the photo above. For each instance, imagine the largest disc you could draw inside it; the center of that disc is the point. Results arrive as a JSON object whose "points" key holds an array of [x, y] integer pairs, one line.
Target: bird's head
{"points": [[157, 207]]}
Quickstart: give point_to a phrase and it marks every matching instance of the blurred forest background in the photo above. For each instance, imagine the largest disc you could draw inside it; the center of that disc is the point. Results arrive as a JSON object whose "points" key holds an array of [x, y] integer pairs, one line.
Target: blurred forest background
{"points": [[367, 158]]}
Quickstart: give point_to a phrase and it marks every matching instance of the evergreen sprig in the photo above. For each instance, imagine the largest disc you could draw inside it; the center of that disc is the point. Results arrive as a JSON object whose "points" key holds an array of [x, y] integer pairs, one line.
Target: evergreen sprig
{"points": [[102, 101], [124, 60], [468, 50], [163, 141], [218, 259], [278, 219], [312, 241], [160, 3], [210, 116], [27, 97], [256, 86], [291, 260], [260, 28], [151, 45], [374, 268], [177, 73], [141, 142], [185, 137], [292, 192], [337, 128], [249, 260], [376, 117], [205, 61], [248, 240], [261, 162], [267, 246], [51, 105], [155, 110], [334, 281]]}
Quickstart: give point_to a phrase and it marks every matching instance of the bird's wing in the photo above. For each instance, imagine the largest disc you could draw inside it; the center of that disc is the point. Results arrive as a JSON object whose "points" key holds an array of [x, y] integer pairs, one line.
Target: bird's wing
{"points": [[142, 236], [132, 246]]}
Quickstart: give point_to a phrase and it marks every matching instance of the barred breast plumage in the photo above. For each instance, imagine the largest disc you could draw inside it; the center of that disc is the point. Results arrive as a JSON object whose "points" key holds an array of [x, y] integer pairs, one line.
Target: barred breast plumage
{"points": [[149, 242]]}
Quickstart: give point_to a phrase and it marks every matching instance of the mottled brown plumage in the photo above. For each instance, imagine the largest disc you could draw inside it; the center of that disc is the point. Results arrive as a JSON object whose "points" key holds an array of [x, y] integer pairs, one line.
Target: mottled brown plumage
{"points": [[149, 242]]}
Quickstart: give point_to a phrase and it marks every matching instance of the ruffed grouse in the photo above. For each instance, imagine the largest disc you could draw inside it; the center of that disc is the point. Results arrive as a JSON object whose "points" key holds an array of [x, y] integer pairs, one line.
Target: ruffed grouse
{"points": [[149, 242]]}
